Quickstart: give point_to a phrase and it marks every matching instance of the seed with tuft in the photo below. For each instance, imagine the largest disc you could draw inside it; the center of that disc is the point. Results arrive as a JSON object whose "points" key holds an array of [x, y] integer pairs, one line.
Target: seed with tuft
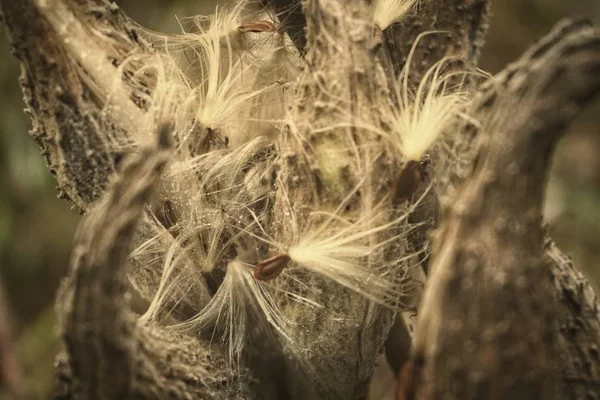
{"points": [[269, 269]]}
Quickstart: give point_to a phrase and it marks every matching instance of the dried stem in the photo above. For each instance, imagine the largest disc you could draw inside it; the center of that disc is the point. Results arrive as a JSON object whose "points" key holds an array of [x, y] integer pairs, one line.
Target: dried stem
{"points": [[490, 242], [98, 323], [458, 28], [578, 313], [109, 357], [78, 141], [82, 140]]}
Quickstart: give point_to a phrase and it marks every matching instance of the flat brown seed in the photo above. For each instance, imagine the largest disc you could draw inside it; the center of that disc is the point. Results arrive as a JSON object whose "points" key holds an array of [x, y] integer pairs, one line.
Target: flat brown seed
{"points": [[271, 268], [406, 182], [258, 26]]}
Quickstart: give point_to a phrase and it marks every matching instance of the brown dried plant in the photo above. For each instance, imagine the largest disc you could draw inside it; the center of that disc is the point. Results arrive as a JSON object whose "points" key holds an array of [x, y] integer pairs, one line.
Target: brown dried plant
{"points": [[279, 183]]}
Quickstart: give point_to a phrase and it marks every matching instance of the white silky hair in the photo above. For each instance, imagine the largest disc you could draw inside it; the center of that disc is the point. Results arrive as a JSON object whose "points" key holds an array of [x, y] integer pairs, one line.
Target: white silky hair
{"points": [[239, 299], [216, 78], [421, 117], [415, 118], [342, 251], [387, 12]]}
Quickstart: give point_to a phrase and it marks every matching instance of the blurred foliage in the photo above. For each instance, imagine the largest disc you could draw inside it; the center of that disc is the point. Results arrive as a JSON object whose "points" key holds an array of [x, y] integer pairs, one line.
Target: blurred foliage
{"points": [[36, 229]]}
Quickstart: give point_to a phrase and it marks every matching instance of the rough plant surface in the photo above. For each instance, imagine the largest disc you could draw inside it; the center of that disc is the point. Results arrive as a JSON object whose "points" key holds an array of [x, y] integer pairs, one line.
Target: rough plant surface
{"points": [[285, 189]]}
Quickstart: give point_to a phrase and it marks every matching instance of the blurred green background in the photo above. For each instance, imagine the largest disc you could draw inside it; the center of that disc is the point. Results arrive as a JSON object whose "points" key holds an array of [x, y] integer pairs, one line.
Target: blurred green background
{"points": [[36, 229]]}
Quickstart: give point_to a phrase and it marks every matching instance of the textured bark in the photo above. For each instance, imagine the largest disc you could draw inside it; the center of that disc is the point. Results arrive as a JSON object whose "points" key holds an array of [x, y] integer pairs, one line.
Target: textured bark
{"points": [[489, 246], [78, 142], [438, 29], [346, 336], [82, 140], [168, 366], [455, 28], [109, 357], [578, 328]]}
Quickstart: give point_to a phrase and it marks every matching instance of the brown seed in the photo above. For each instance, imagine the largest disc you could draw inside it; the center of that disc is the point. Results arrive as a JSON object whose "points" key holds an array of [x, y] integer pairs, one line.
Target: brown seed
{"points": [[271, 268], [166, 214], [258, 26], [377, 35], [203, 146], [406, 182], [408, 380]]}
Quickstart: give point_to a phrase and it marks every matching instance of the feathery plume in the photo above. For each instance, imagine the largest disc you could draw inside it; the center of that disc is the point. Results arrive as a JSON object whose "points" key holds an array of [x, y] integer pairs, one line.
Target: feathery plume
{"points": [[340, 250], [228, 77], [239, 301], [421, 117], [387, 12], [344, 251]]}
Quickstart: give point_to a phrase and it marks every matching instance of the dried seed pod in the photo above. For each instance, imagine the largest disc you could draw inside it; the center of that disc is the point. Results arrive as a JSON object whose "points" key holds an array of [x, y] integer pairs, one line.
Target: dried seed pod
{"points": [[269, 269], [258, 26], [406, 182]]}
